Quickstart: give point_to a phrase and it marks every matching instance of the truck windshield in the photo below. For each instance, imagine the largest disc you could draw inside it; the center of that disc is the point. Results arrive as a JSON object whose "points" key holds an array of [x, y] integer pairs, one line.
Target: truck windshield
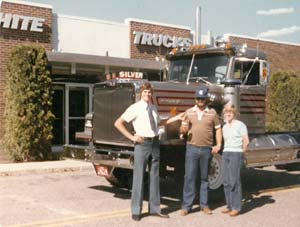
{"points": [[210, 68]]}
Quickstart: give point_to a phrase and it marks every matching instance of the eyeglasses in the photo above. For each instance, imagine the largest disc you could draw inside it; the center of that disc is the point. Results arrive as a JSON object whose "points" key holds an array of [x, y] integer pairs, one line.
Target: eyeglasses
{"points": [[201, 99]]}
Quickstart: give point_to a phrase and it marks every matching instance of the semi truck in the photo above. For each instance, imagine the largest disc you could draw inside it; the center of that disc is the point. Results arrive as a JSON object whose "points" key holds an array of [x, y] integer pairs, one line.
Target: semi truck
{"points": [[232, 73]]}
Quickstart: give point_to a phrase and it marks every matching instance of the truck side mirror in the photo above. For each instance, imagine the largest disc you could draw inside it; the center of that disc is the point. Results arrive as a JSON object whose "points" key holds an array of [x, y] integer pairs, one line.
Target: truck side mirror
{"points": [[264, 72]]}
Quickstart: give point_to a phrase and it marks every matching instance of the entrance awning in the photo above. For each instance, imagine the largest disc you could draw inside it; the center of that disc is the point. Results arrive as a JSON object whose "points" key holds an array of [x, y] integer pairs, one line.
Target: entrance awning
{"points": [[104, 61]]}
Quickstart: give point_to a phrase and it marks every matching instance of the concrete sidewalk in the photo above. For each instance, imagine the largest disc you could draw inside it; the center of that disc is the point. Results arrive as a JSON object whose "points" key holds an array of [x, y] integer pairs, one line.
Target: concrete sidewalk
{"points": [[30, 168]]}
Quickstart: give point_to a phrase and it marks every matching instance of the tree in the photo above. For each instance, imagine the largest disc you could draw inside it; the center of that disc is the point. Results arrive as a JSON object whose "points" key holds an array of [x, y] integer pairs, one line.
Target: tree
{"points": [[284, 102], [28, 116]]}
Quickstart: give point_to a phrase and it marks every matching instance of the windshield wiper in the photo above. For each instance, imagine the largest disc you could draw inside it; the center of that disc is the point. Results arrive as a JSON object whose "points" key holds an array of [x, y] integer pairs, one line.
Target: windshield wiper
{"points": [[203, 79], [190, 70]]}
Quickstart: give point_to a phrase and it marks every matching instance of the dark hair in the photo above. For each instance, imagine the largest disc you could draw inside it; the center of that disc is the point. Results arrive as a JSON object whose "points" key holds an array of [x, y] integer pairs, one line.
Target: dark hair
{"points": [[146, 86]]}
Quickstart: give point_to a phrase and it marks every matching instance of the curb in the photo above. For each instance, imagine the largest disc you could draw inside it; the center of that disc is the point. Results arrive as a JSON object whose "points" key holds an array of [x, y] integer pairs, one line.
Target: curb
{"points": [[34, 168]]}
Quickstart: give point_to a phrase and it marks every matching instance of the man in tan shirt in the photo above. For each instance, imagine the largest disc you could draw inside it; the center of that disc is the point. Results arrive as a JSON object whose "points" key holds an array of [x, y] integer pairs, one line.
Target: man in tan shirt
{"points": [[199, 124]]}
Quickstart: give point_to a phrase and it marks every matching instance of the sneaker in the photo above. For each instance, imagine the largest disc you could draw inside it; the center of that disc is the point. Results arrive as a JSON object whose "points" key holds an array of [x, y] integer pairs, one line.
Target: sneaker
{"points": [[234, 213], [225, 211], [184, 212], [206, 210]]}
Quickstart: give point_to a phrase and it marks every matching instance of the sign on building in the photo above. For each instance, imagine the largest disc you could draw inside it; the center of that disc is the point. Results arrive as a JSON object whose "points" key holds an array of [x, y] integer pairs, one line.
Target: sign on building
{"points": [[145, 38], [25, 23]]}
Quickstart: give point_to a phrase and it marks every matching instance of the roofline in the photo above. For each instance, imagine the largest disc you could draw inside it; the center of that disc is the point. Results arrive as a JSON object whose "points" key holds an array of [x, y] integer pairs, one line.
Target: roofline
{"points": [[127, 20], [28, 3], [259, 39], [88, 19]]}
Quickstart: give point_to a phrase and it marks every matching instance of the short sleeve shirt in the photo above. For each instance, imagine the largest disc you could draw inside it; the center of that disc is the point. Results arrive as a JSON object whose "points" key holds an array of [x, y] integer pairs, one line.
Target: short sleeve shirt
{"points": [[233, 136], [202, 126], [137, 113]]}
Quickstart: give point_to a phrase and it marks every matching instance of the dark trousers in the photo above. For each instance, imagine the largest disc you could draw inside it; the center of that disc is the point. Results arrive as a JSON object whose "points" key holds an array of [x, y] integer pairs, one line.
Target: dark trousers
{"points": [[231, 164], [196, 159], [142, 153]]}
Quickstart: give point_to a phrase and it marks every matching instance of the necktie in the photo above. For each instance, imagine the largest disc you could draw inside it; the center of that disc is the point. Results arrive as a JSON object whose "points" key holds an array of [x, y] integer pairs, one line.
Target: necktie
{"points": [[151, 118]]}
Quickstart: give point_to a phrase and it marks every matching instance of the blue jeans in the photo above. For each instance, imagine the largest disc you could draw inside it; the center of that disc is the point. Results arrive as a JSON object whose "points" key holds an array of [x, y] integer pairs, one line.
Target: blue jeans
{"points": [[196, 158], [142, 153], [231, 164]]}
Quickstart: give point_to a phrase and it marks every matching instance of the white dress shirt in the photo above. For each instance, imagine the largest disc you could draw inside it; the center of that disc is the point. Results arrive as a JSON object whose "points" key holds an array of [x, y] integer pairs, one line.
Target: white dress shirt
{"points": [[138, 114]]}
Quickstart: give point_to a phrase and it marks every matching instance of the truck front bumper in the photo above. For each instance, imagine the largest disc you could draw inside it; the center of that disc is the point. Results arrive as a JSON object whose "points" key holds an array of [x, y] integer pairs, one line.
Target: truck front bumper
{"points": [[118, 159]]}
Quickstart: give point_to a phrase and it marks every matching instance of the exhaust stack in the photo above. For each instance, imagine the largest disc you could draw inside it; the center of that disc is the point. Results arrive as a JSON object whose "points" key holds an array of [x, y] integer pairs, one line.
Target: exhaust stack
{"points": [[198, 26]]}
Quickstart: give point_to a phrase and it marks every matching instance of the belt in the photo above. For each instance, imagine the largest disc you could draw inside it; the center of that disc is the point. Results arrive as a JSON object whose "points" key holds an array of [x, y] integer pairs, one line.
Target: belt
{"points": [[151, 138]]}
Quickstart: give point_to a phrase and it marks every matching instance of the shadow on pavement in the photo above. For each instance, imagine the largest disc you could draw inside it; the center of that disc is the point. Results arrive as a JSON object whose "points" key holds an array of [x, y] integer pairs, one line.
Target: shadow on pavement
{"points": [[254, 182], [252, 203], [118, 192]]}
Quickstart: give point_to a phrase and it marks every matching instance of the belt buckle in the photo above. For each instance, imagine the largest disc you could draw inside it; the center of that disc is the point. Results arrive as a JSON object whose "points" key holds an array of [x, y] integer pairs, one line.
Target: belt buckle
{"points": [[151, 138]]}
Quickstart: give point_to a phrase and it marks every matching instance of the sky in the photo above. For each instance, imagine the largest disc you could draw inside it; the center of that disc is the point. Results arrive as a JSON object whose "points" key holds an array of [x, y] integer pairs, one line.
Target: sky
{"points": [[277, 20]]}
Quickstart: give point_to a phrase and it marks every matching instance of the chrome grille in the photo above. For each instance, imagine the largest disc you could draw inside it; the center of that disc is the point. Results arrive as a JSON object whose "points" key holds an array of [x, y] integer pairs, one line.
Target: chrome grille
{"points": [[109, 103]]}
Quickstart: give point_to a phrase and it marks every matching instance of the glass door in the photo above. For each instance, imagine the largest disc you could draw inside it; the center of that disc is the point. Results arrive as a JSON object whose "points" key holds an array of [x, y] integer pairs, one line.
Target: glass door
{"points": [[78, 104], [58, 111]]}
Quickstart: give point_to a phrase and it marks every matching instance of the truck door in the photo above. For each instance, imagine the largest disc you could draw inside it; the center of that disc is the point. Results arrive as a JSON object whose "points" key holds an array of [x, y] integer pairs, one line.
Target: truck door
{"points": [[252, 94]]}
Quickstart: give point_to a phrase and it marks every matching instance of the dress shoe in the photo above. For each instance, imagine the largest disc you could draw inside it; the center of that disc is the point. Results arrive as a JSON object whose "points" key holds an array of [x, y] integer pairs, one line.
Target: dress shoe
{"points": [[234, 213], [225, 211], [160, 215], [206, 210], [184, 212], [136, 217]]}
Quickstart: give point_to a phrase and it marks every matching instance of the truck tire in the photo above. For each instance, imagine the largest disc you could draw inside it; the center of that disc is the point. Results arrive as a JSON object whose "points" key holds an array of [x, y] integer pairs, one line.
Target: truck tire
{"points": [[121, 178], [215, 175], [289, 167]]}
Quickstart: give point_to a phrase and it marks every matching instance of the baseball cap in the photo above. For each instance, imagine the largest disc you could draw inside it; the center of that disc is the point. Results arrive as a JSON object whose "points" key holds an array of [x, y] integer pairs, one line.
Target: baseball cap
{"points": [[201, 92]]}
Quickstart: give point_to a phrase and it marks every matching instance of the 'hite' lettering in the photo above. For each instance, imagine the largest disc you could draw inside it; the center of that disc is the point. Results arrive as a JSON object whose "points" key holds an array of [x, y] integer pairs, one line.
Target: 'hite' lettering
{"points": [[13, 21], [150, 39]]}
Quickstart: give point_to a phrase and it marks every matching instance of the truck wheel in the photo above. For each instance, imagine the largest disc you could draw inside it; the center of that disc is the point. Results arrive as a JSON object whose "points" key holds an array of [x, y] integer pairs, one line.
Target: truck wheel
{"points": [[215, 175], [121, 178], [289, 167]]}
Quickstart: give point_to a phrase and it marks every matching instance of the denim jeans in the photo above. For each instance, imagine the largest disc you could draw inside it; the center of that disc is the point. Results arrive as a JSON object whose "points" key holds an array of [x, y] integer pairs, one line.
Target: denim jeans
{"points": [[196, 158], [142, 153], [231, 164]]}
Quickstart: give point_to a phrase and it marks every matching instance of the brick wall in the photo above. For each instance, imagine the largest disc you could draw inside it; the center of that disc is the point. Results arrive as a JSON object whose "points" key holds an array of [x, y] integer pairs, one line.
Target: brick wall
{"points": [[150, 52], [10, 38], [282, 57]]}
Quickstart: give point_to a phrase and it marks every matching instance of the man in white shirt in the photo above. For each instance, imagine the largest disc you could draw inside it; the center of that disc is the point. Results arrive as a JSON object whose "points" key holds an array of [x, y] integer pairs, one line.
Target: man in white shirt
{"points": [[144, 117]]}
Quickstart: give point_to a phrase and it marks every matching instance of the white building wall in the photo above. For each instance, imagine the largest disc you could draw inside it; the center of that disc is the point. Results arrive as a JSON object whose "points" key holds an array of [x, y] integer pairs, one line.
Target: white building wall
{"points": [[88, 36]]}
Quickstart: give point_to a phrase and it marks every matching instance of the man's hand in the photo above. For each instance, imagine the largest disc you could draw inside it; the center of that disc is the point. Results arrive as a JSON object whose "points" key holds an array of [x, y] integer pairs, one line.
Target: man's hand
{"points": [[216, 149], [183, 129], [137, 139]]}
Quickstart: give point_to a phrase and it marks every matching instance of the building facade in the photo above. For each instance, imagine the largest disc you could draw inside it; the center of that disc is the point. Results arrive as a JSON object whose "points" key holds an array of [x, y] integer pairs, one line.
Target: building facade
{"points": [[281, 56], [84, 51]]}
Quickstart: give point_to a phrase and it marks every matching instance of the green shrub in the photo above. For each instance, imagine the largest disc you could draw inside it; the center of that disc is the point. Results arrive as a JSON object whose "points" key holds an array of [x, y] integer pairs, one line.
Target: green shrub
{"points": [[284, 102], [28, 116]]}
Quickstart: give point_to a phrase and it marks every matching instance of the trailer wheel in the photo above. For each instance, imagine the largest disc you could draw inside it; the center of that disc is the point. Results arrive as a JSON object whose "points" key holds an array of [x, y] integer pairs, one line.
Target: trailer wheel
{"points": [[215, 175]]}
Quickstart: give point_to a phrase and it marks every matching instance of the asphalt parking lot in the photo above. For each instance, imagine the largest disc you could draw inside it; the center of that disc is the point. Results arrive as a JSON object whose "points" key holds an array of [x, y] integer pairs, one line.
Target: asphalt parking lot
{"points": [[82, 199]]}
